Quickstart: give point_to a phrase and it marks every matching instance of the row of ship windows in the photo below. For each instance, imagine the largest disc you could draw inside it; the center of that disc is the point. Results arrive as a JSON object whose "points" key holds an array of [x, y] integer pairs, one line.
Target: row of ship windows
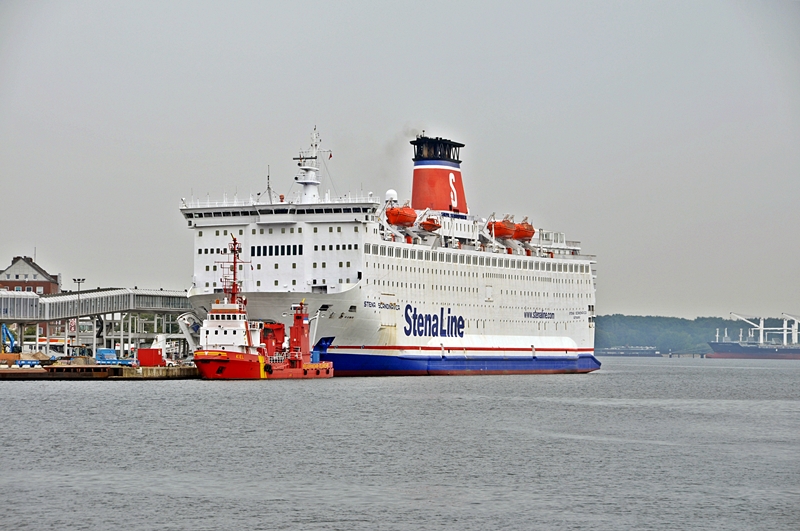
{"points": [[276, 250], [468, 289], [341, 247], [270, 211], [241, 231], [501, 276], [270, 231], [294, 282], [456, 258], [294, 266], [290, 250], [281, 250], [226, 317]]}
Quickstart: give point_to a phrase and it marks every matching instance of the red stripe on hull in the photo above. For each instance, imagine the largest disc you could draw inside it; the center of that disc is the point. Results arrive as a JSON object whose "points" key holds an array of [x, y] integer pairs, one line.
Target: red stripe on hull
{"points": [[412, 348]]}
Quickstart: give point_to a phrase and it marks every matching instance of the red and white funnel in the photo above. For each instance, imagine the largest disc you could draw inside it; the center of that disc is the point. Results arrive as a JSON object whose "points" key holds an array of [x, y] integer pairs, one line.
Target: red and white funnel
{"points": [[437, 176]]}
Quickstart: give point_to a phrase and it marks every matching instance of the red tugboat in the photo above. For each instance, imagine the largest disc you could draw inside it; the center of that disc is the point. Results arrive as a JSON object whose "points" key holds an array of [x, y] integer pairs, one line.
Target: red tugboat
{"points": [[232, 347]]}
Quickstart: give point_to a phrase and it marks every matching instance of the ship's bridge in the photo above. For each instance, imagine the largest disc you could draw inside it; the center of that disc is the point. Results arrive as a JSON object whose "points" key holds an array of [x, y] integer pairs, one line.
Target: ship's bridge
{"points": [[239, 213]]}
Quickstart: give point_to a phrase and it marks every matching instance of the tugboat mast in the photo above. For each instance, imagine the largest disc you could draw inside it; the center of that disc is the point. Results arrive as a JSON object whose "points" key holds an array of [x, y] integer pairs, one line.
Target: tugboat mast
{"points": [[230, 283]]}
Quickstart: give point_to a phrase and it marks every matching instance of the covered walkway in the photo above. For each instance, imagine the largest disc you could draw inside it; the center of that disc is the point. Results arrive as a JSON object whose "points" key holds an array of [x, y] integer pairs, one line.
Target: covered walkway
{"points": [[120, 318]]}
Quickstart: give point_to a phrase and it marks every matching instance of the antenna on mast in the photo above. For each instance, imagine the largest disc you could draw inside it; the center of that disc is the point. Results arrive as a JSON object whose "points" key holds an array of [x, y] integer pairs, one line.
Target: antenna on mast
{"points": [[268, 191], [269, 188]]}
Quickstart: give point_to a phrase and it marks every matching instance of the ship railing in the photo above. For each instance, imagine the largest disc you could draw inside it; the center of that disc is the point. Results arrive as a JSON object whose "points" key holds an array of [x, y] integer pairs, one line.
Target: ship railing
{"points": [[278, 358], [197, 203], [208, 203], [351, 199]]}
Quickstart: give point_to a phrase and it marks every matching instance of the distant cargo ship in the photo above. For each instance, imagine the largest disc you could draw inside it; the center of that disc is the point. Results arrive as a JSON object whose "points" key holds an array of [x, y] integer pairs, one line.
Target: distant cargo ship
{"points": [[785, 348], [754, 351]]}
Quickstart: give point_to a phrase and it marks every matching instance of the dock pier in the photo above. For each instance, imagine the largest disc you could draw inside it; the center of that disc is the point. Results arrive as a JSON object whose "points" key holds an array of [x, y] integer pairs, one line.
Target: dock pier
{"points": [[99, 372]]}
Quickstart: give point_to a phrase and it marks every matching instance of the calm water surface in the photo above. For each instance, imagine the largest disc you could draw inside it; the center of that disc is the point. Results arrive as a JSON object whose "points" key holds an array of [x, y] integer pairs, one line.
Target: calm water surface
{"points": [[641, 444]]}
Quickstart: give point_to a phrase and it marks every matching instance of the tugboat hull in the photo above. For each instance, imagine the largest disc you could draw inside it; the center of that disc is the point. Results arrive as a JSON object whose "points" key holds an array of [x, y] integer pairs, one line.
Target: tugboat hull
{"points": [[237, 366]]}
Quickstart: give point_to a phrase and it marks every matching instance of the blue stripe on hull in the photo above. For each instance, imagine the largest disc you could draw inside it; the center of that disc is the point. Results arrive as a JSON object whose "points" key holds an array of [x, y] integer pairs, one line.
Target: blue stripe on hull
{"points": [[376, 365]]}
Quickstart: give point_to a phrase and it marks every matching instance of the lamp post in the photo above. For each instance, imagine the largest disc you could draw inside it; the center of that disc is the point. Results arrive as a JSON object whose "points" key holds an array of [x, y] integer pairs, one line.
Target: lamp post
{"points": [[78, 281]]}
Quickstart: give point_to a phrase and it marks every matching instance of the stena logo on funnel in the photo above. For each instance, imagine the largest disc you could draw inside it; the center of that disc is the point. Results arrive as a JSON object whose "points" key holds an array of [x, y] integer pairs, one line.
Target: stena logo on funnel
{"points": [[437, 175], [438, 186]]}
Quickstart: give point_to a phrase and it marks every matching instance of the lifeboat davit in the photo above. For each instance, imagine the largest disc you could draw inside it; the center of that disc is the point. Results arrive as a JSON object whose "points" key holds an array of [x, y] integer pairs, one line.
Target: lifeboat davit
{"points": [[430, 225], [404, 216], [524, 231], [501, 230]]}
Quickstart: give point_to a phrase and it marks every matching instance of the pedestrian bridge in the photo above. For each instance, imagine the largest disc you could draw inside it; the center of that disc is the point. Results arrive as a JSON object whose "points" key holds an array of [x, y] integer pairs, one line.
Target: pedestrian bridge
{"points": [[26, 307], [120, 318]]}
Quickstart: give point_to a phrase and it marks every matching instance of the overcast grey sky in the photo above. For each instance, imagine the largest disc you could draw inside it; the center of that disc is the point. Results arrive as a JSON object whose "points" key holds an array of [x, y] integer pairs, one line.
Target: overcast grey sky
{"points": [[665, 136]]}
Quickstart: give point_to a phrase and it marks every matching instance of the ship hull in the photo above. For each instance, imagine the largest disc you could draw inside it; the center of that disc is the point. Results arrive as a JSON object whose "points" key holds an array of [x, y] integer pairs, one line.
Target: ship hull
{"points": [[354, 364], [213, 365], [754, 355], [753, 352], [364, 348], [224, 369]]}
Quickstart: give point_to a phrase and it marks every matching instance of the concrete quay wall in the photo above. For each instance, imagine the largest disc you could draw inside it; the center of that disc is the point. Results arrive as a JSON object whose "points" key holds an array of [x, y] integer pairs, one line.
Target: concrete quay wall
{"points": [[99, 372], [157, 373]]}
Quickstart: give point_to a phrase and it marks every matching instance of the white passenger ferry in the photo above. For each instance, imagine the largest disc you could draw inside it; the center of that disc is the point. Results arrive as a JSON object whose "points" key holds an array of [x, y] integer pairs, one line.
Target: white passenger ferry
{"points": [[420, 288]]}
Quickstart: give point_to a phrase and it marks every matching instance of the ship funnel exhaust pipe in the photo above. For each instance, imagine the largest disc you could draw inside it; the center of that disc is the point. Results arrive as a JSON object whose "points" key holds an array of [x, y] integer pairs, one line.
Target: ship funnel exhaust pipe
{"points": [[437, 175]]}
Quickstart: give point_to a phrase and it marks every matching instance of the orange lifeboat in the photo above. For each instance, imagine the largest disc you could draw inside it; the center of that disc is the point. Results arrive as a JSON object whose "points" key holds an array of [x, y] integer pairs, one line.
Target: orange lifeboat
{"points": [[524, 231], [404, 216], [430, 225], [501, 230]]}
